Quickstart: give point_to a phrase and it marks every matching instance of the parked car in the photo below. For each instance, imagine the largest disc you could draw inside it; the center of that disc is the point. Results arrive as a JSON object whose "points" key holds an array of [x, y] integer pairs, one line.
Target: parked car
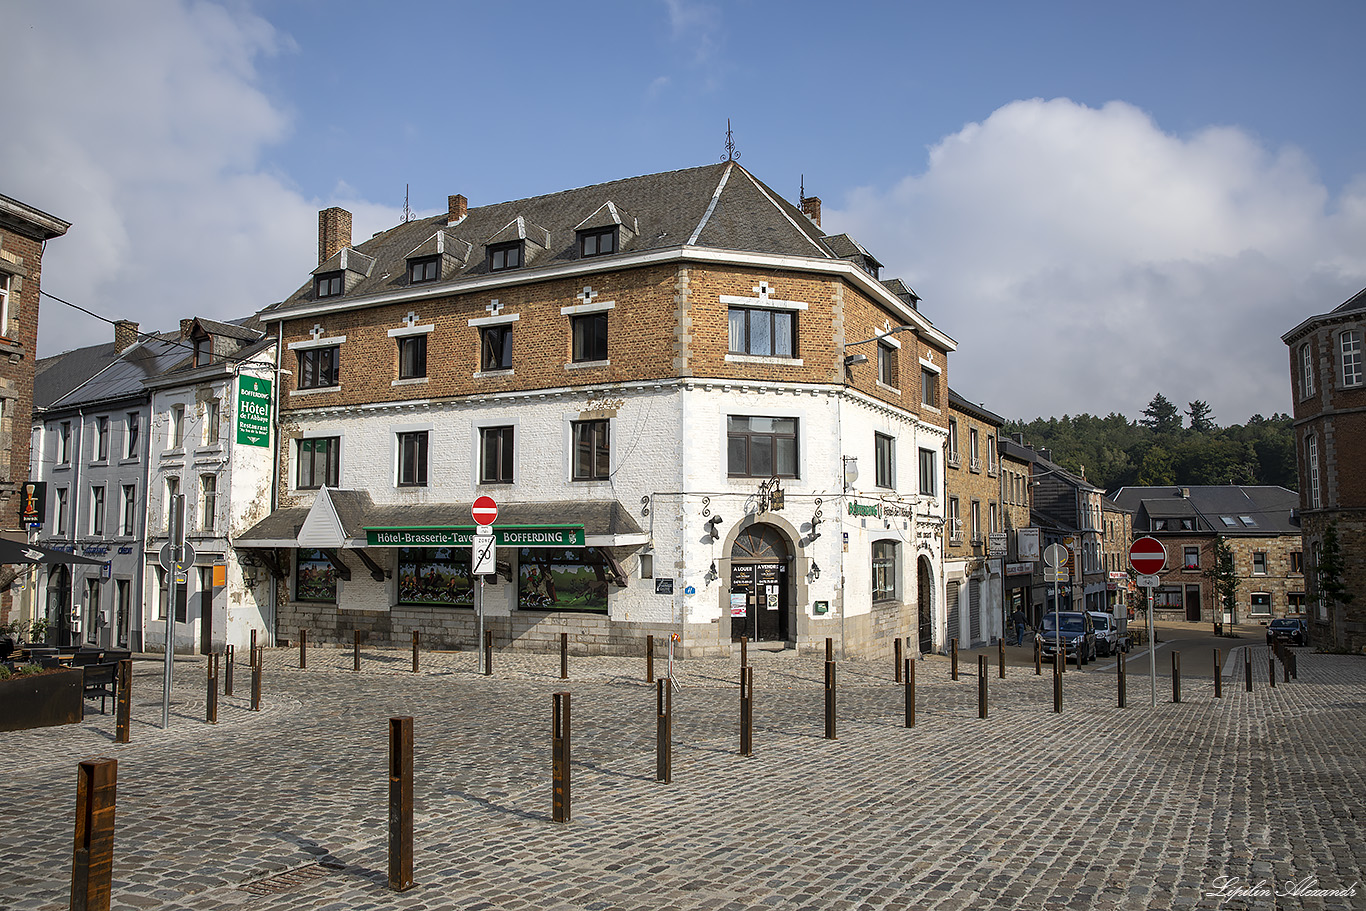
{"points": [[1078, 635], [1287, 629], [1112, 635]]}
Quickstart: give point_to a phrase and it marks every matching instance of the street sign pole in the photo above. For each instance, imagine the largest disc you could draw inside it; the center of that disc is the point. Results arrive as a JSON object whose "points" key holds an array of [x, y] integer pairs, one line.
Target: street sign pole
{"points": [[1148, 557], [484, 511], [1152, 652], [177, 536]]}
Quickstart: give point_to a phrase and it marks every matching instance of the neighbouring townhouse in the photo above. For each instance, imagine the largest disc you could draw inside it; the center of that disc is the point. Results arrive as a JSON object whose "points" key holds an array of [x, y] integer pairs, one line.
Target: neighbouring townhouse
{"points": [[699, 416], [1260, 525], [24, 231], [117, 426], [1116, 537], [1022, 539], [973, 570], [1329, 389]]}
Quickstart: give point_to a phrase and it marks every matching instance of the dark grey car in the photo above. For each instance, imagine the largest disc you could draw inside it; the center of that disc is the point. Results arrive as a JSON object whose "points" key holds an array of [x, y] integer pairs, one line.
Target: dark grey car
{"points": [[1078, 635]]}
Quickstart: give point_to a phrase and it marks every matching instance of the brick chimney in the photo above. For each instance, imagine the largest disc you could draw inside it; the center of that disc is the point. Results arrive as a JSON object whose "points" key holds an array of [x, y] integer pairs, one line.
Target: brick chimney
{"points": [[185, 326], [334, 232], [125, 335], [457, 207], [811, 208]]}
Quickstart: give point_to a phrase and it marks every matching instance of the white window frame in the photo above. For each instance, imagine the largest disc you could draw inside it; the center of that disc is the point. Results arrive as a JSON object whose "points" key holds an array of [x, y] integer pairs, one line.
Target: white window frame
{"points": [[1252, 604], [4, 304], [1306, 370], [395, 455], [1350, 358], [128, 522], [175, 427], [1311, 458]]}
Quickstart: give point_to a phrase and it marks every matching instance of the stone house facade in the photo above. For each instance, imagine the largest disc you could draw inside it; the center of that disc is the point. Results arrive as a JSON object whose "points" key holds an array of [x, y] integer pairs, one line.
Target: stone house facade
{"points": [[1328, 383], [667, 383], [973, 575]]}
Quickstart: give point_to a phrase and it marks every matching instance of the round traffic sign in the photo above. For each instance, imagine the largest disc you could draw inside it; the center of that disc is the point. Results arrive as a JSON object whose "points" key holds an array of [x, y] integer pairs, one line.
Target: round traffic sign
{"points": [[1147, 556], [484, 511], [1055, 555]]}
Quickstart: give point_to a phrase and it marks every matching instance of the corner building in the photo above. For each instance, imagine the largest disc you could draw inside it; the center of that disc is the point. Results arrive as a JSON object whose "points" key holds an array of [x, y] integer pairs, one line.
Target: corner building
{"points": [[668, 384]]}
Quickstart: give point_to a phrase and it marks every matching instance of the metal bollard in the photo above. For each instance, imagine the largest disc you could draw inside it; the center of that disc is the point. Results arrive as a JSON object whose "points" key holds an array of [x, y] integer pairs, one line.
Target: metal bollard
{"points": [[559, 751], [1001, 656], [92, 858], [1218, 674], [981, 686], [488, 653], [401, 803], [1122, 673], [356, 651], [564, 656], [227, 671], [303, 649], [953, 657], [211, 694], [746, 711], [897, 659], [252, 656], [1038, 658], [829, 649], [1057, 682], [649, 659], [910, 692], [664, 723], [1247, 668], [416, 640], [123, 703], [830, 701], [256, 685], [1176, 676]]}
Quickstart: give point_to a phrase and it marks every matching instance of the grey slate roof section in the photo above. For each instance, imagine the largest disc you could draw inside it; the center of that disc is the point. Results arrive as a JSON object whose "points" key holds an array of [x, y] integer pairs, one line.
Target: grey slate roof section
{"points": [[667, 208], [124, 376], [58, 375], [1355, 302], [357, 513], [1270, 507], [230, 330]]}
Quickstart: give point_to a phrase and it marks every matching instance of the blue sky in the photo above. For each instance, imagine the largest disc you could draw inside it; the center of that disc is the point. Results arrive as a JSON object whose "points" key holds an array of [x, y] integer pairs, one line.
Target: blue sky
{"points": [[1098, 201]]}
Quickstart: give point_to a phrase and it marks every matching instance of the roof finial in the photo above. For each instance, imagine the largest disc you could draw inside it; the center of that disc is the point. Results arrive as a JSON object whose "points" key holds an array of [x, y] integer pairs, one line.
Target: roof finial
{"points": [[801, 193], [407, 212], [731, 154]]}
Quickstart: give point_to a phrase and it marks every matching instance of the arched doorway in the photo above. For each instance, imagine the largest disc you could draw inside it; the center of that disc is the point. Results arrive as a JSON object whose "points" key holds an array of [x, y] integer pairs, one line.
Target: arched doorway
{"points": [[924, 599], [759, 588], [59, 604]]}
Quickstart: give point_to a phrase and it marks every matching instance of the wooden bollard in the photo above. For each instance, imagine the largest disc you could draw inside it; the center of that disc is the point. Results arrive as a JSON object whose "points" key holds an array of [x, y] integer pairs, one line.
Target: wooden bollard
{"points": [[1001, 656], [1285, 667], [829, 649], [896, 662], [744, 651], [981, 686], [830, 701], [953, 657], [664, 713], [746, 711], [910, 692], [649, 659], [123, 703], [1057, 681], [1218, 674], [1271, 667], [401, 803], [256, 684], [1294, 666], [1247, 668], [303, 649], [559, 750], [417, 638], [92, 858], [488, 653], [1038, 658], [1176, 676], [252, 656], [564, 656], [355, 651], [227, 671], [1122, 675], [211, 692]]}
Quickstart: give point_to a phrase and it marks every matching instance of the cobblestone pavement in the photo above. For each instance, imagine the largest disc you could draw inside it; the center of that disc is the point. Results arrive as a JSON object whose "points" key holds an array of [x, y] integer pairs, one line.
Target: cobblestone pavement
{"points": [[1099, 807]]}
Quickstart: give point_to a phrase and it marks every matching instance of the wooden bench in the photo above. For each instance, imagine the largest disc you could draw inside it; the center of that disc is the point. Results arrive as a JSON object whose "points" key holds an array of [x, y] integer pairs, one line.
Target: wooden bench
{"points": [[101, 680]]}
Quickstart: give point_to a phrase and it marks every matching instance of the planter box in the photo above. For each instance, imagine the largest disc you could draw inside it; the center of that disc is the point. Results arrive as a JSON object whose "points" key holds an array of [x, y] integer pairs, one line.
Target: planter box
{"points": [[42, 701]]}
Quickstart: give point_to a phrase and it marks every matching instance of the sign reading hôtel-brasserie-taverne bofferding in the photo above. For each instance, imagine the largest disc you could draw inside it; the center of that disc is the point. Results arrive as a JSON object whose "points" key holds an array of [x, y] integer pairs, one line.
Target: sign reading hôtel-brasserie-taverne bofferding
{"points": [[253, 411], [506, 536]]}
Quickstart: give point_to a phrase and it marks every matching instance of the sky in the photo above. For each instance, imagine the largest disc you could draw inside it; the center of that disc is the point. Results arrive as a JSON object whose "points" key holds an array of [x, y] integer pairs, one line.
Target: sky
{"points": [[1098, 201]]}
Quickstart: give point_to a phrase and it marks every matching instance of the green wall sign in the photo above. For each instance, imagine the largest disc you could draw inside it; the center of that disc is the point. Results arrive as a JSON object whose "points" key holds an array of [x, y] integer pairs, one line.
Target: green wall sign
{"points": [[463, 536], [253, 411]]}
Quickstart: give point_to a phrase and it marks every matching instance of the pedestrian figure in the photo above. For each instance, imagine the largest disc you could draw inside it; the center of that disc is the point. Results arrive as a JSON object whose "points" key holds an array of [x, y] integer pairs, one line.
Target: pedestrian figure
{"points": [[1018, 618]]}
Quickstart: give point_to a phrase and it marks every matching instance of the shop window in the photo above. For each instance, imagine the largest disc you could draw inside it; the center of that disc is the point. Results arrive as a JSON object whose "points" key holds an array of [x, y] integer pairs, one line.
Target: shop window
{"points": [[885, 570], [563, 579], [315, 578], [436, 576]]}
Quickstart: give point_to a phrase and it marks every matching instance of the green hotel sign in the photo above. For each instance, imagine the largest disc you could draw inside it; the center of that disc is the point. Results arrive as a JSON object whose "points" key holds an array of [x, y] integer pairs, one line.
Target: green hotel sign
{"points": [[463, 536], [253, 411]]}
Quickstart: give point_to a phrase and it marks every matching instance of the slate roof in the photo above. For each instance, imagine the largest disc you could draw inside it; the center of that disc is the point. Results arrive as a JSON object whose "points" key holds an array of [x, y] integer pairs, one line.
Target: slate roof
{"points": [[1270, 508], [719, 206], [978, 411], [1355, 302]]}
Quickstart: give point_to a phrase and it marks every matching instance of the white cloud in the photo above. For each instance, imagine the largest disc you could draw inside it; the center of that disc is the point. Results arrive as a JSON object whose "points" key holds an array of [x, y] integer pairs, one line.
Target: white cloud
{"points": [[1085, 260], [145, 129]]}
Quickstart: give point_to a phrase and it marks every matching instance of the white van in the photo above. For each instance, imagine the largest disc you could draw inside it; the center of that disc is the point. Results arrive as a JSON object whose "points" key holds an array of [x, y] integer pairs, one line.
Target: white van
{"points": [[1112, 633]]}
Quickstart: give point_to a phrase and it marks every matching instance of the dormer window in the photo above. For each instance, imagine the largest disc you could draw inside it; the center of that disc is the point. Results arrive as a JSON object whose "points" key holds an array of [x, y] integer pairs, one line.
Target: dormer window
{"points": [[598, 241], [329, 284], [505, 256], [427, 269], [203, 350]]}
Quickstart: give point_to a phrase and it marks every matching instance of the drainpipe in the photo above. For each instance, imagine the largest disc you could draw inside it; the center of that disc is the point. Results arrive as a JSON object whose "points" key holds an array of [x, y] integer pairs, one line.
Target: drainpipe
{"points": [[145, 454]]}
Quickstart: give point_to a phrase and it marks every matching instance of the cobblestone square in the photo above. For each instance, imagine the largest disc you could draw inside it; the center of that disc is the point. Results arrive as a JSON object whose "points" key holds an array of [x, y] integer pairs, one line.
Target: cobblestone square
{"points": [[1097, 808]]}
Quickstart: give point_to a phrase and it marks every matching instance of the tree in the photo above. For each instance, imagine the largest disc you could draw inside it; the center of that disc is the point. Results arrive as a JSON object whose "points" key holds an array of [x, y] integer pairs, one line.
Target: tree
{"points": [[1332, 586], [1224, 575], [1156, 469], [1201, 419], [1161, 415]]}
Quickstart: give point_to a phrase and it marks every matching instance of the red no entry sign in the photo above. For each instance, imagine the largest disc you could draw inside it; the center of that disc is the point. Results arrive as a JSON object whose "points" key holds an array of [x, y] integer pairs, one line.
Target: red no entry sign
{"points": [[484, 511], [1147, 556]]}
